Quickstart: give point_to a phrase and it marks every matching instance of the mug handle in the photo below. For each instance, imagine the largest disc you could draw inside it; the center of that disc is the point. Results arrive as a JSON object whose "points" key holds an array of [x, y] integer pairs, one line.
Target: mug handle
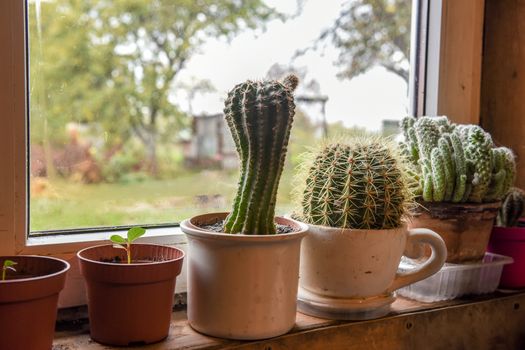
{"points": [[430, 266]]}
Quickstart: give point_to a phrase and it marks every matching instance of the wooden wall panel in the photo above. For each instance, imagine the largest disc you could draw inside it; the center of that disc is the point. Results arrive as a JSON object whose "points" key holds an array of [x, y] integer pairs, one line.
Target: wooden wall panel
{"points": [[7, 114], [460, 60], [503, 77]]}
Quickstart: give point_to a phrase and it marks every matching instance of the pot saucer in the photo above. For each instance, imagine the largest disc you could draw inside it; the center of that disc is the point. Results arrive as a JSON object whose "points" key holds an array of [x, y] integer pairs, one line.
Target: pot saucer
{"points": [[343, 308]]}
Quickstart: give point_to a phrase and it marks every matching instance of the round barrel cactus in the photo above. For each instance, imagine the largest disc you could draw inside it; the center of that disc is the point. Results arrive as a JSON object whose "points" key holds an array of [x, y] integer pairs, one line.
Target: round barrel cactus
{"points": [[360, 185], [259, 115]]}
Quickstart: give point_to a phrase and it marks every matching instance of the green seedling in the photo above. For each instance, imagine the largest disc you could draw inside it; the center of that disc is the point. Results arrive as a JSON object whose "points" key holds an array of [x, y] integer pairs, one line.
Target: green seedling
{"points": [[125, 243], [8, 265]]}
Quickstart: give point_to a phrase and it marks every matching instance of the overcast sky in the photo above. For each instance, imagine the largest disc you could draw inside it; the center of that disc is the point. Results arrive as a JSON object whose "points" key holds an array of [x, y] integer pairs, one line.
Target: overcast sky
{"points": [[363, 101]]}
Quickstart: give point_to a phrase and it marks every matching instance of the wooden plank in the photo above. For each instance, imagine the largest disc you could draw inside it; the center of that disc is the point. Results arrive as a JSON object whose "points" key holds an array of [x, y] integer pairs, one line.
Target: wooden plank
{"points": [[503, 79], [486, 322], [460, 60], [493, 324], [12, 107]]}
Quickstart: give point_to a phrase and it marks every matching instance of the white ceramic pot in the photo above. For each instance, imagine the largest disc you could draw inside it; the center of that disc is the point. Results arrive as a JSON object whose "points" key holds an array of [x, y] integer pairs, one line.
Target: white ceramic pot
{"points": [[242, 286], [352, 274]]}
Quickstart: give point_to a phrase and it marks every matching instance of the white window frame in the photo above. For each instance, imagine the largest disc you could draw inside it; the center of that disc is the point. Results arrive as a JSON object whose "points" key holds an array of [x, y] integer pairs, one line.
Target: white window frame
{"points": [[14, 238], [425, 57]]}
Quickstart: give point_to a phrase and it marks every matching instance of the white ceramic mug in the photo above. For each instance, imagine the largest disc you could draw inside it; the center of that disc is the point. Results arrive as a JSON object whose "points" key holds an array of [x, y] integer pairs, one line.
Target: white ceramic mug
{"points": [[347, 263]]}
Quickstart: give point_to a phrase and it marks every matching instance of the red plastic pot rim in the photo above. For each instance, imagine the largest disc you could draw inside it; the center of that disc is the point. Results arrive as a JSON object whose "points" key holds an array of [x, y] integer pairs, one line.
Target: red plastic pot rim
{"points": [[64, 269], [125, 265], [516, 234], [130, 274], [50, 275]]}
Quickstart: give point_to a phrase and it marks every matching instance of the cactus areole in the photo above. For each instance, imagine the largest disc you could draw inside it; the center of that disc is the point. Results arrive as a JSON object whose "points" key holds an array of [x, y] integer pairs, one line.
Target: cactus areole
{"points": [[259, 115]]}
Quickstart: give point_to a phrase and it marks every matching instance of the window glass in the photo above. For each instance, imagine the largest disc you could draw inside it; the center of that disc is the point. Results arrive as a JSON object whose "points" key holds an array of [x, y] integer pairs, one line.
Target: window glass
{"points": [[126, 96]]}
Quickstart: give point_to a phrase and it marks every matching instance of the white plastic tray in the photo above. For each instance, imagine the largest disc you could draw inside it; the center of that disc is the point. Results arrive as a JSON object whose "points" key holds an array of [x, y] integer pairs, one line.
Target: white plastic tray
{"points": [[455, 280]]}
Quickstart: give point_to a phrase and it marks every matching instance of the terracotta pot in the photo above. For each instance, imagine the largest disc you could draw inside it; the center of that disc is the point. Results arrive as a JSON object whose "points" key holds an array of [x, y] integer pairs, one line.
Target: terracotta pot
{"points": [[28, 306], [242, 286], [130, 304], [464, 227], [352, 274], [510, 241]]}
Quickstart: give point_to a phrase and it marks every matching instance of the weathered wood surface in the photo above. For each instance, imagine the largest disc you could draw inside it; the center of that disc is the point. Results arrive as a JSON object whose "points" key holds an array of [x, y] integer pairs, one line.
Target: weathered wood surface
{"points": [[486, 322], [503, 77]]}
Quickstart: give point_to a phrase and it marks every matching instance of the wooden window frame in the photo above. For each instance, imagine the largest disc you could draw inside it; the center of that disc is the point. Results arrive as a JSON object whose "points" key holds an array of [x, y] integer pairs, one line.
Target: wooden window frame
{"points": [[436, 81]]}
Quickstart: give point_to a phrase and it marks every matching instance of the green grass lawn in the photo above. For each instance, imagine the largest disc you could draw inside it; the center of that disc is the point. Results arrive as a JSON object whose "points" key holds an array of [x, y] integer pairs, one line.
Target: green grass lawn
{"points": [[60, 204]]}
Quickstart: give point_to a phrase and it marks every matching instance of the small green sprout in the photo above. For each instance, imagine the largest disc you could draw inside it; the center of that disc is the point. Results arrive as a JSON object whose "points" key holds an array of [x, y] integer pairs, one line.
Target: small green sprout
{"points": [[8, 265], [125, 243]]}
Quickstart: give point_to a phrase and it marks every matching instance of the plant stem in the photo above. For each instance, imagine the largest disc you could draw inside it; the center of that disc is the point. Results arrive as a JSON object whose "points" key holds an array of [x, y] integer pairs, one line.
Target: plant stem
{"points": [[128, 251], [3, 273]]}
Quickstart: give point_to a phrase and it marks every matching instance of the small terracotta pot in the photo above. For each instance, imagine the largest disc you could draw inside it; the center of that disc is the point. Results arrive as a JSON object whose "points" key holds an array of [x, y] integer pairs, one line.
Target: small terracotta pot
{"points": [[242, 286], [465, 227], [352, 274], [28, 306], [130, 304], [510, 241]]}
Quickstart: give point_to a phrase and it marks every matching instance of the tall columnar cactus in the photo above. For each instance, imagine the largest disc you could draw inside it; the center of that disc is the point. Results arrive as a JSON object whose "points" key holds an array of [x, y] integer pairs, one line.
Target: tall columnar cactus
{"points": [[359, 185], [512, 208], [456, 163], [259, 115]]}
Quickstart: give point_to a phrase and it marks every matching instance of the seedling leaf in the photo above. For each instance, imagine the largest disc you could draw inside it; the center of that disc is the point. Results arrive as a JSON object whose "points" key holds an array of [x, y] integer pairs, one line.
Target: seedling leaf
{"points": [[7, 265], [118, 239], [134, 233]]}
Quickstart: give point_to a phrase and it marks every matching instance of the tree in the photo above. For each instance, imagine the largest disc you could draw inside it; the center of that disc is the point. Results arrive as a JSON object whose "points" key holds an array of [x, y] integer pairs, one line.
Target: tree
{"points": [[119, 59], [195, 87], [370, 33]]}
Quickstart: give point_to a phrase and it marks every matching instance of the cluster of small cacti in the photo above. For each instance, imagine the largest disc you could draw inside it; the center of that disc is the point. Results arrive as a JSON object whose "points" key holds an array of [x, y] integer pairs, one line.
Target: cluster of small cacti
{"points": [[359, 184], [455, 163], [259, 115], [512, 208]]}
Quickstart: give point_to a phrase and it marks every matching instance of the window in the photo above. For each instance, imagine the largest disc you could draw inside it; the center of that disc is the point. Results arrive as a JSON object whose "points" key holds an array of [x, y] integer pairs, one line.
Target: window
{"points": [[125, 98], [18, 85]]}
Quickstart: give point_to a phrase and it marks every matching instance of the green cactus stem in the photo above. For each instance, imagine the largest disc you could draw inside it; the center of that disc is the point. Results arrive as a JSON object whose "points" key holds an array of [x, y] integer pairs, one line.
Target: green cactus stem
{"points": [[446, 154], [259, 115], [438, 175], [427, 133], [460, 167], [509, 164], [360, 184], [455, 163], [512, 208], [478, 151]]}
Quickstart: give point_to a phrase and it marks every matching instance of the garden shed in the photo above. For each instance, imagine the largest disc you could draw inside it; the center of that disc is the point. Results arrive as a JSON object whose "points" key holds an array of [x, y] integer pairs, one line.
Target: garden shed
{"points": [[210, 143]]}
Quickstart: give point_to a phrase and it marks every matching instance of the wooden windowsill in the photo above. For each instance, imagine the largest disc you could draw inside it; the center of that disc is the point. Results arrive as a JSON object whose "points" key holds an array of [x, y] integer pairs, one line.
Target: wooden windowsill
{"points": [[495, 321]]}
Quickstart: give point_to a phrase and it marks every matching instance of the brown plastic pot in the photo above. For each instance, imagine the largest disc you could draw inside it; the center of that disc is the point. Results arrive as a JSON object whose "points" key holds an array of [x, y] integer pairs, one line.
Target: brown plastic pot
{"points": [[242, 286], [130, 304], [28, 306], [465, 227]]}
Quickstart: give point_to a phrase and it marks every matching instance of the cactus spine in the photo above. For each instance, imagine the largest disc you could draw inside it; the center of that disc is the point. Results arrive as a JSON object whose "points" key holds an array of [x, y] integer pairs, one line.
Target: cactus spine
{"points": [[456, 163], [358, 185], [512, 208], [259, 115]]}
